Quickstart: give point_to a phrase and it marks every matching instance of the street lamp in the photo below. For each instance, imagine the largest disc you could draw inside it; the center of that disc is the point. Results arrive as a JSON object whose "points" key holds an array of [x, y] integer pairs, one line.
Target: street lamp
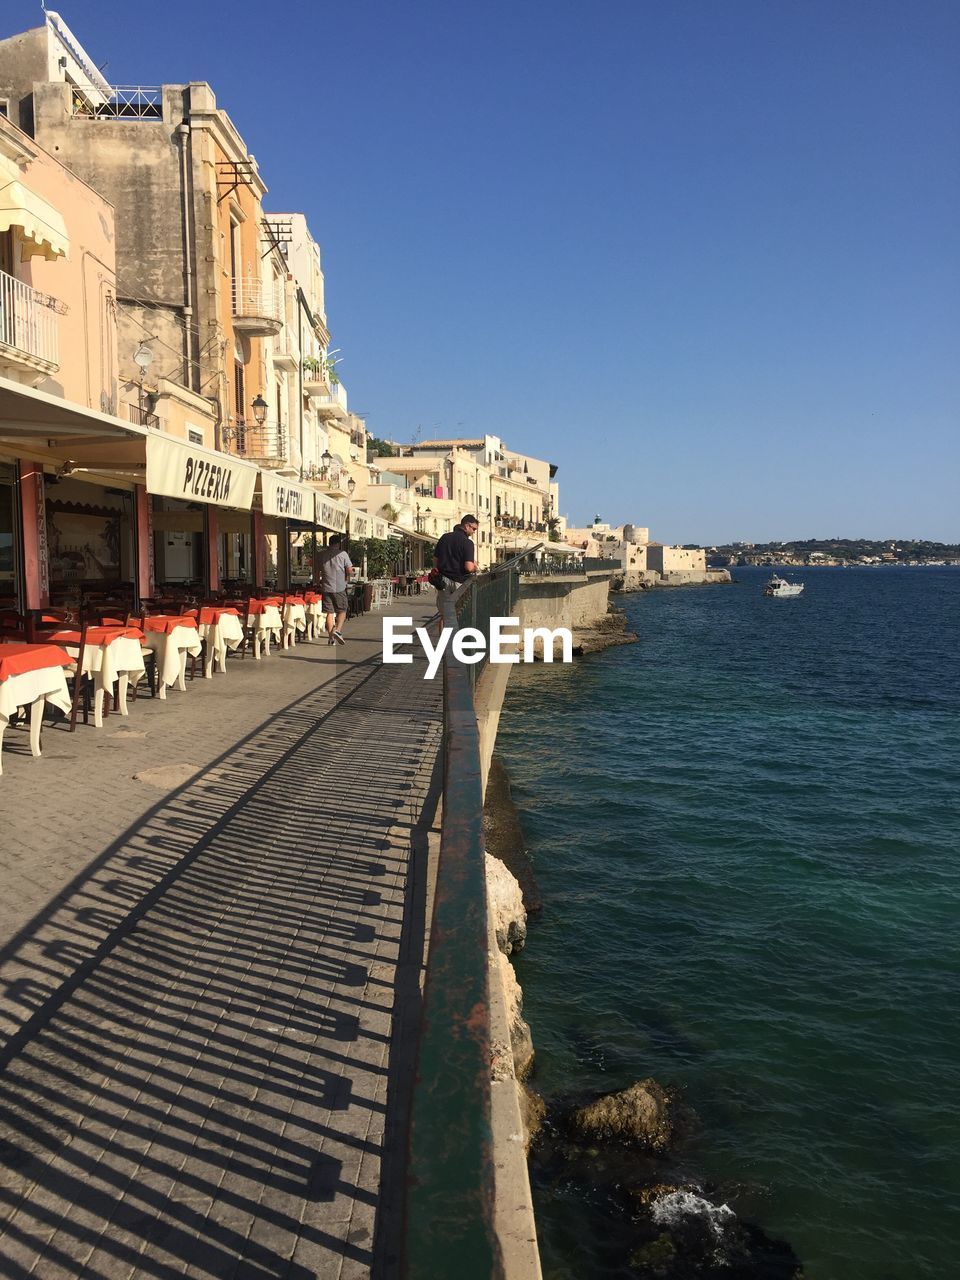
{"points": [[260, 408], [143, 359], [351, 485]]}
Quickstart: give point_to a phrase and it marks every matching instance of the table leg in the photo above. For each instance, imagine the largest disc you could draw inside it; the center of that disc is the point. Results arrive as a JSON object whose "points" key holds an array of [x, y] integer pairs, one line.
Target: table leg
{"points": [[3, 725], [222, 655], [182, 679], [36, 720], [122, 683], [163, 689], [98, 692], [211, 655], [266, 644]]}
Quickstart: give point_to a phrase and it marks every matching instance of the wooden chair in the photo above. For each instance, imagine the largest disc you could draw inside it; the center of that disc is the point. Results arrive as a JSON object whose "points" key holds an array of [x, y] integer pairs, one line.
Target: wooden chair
{"points": [[149, 661], [13, 625]]}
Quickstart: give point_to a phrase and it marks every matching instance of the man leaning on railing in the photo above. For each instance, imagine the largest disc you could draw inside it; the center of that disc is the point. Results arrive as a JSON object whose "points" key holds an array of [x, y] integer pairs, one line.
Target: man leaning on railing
{"points": [[455, 558]]}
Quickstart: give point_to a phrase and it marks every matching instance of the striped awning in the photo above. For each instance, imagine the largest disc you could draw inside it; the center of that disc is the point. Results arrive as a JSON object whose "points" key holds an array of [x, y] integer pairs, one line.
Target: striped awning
{"points": [[41, 226]]}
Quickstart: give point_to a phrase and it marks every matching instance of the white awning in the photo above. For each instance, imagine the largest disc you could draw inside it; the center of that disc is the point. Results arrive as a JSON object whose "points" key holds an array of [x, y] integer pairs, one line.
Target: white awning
{"points": [[187, 471], [41, 225], [331, 514], [361, 523], [286, 498]]}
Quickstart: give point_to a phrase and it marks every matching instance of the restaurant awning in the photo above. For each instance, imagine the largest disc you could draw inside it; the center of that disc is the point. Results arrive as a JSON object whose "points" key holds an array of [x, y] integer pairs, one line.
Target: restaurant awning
{"points": [[331, 514], [286, 498], [176, 469], [361, 523], [41, 225], [398, 531], [27, 414]]}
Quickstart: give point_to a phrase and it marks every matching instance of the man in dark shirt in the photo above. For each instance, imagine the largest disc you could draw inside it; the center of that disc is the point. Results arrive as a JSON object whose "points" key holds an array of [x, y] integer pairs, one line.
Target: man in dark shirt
{"points": [[455, 556]]}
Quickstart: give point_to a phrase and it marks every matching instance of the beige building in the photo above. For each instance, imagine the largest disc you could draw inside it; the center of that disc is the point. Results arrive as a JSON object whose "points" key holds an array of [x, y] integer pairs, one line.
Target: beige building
{"points": [[676, 561], [513, 495]]}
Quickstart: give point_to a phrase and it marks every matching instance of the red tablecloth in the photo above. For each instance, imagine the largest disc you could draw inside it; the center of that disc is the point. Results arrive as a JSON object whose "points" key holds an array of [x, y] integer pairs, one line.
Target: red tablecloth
{"points": [[311, 597], [167, 622], [212, 613], [17, 659], [97, 635], [296, 600]]}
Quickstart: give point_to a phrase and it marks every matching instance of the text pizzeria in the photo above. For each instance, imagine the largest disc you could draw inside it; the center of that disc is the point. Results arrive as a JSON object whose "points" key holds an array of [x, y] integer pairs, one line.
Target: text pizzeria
{"points": [[207, 479]]}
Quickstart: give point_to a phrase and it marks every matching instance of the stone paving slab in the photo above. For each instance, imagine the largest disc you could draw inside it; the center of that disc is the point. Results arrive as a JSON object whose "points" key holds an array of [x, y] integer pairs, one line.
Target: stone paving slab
{"points": [[199, 989]]}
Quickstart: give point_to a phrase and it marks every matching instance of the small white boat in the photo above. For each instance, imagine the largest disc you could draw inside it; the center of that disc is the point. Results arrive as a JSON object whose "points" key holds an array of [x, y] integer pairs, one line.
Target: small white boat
{"points": [[780, 588]]}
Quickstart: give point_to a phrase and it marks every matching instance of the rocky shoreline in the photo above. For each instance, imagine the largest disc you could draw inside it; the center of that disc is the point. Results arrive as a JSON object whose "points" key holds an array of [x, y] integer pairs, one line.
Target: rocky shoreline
{"points": [[606, 632], [624, 1148]]}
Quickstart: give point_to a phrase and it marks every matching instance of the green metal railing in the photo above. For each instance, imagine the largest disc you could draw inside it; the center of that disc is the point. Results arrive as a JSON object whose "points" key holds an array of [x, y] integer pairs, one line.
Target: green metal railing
{"points": [[449, 1228]]}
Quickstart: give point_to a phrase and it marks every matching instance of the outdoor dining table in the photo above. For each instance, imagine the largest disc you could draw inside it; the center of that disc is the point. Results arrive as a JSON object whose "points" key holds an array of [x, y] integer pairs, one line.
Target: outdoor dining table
{"points": [[222, 630], [263, 617], [172, 638], [294, 619], [30, 675], [111, 656], [313, 607]]}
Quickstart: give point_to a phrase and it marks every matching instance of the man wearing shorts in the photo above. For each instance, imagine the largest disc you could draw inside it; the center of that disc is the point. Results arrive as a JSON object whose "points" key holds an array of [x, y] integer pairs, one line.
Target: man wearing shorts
{"points": [[335, 569]]}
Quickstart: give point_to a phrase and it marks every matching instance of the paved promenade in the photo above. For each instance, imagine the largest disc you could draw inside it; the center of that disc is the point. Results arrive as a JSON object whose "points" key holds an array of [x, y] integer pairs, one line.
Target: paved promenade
{"points": [[212, 919]]}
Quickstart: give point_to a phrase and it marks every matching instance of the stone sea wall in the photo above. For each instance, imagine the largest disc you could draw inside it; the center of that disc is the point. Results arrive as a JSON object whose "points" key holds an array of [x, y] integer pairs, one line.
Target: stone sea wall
{"points": [[646, 579], [581, 603]]}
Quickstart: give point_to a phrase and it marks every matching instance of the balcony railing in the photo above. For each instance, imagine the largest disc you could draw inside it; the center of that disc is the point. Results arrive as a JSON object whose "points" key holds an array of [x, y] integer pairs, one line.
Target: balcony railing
{"points": [[127, 102], [450, 1183], [255, 301], [28, 324], [330, 399], [141, 417], [266, 442]]}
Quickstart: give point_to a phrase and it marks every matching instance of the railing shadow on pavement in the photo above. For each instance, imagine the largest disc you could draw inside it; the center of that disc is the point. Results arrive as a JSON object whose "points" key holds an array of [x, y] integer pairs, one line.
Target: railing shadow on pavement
{"points": [[190, 1026]]}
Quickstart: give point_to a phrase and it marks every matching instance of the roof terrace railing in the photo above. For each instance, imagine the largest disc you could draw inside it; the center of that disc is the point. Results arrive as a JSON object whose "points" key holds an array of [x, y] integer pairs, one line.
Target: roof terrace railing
{"points": [[450, 1200]]}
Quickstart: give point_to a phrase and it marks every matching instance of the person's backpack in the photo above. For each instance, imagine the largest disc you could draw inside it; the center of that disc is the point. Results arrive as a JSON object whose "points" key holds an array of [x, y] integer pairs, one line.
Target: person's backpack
{"points": [[435, 578]]}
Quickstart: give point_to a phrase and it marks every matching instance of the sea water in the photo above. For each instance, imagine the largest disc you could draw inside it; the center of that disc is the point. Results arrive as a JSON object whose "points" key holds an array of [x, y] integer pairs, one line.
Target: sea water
{"points": [[746, 831]]}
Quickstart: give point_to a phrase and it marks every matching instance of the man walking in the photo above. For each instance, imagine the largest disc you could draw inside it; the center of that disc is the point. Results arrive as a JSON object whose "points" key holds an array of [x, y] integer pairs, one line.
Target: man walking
{"points": [[335, 569], [455, 557]]}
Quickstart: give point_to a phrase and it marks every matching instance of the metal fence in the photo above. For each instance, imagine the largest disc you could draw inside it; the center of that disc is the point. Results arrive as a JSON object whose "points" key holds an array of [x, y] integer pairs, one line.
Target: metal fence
{"points": [[28, 322], [553, 566], [450, 1200]]}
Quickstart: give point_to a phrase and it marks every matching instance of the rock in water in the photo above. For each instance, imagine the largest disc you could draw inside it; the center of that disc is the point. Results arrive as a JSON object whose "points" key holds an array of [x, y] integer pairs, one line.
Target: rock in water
{"points": [[506, 906], [639, 1116]]}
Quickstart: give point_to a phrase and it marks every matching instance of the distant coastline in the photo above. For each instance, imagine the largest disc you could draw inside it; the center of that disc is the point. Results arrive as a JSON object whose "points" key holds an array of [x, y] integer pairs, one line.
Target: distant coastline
{"points": [[836, 553]]}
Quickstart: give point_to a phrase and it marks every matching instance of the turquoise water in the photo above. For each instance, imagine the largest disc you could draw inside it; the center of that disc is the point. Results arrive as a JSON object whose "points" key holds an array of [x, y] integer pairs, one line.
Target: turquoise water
{"points": [[746, 830]]}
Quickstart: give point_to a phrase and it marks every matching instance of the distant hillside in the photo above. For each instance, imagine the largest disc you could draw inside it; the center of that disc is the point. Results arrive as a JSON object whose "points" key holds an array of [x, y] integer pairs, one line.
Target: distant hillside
{"points": [[836, 551]]}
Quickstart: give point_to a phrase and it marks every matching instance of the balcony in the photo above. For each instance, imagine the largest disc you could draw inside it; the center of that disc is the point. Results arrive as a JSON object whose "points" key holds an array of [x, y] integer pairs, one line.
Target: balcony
{"points": [[266, 444], [29, 332], [286, 353], [257, 308], [141, 417], [329, 398]]}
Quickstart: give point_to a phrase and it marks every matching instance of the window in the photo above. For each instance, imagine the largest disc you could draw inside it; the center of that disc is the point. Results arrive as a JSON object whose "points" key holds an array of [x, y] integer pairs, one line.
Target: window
{"points": [[5, 108], [236, 251]]}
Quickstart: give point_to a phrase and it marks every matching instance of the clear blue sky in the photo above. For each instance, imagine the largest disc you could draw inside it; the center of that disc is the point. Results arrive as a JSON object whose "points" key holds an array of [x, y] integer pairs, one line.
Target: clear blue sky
{"points": [[703, 254]]}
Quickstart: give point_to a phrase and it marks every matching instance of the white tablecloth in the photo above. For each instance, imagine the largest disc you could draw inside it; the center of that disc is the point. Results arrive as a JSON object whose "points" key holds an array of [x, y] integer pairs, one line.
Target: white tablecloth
{"points": [[49, 683], [120, 660], [32, 689], [265, 625], [171, 649], [226, 633], [294, 620], [122, 656]]}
